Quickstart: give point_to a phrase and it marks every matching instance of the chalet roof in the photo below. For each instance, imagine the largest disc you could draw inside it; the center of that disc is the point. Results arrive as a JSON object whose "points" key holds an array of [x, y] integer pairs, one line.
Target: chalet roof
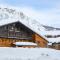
{"points": [[8, 15]]}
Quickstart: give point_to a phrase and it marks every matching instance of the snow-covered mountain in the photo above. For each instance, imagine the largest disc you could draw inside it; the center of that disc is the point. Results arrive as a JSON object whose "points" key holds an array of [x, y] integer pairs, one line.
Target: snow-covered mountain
{"points": [[49, 28], [10, 15]]}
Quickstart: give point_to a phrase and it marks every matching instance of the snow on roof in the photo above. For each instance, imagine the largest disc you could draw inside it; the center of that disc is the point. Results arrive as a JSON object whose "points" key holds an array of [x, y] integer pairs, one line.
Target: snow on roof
{"points": [[25, 43], [49, 43], [54, 40]]}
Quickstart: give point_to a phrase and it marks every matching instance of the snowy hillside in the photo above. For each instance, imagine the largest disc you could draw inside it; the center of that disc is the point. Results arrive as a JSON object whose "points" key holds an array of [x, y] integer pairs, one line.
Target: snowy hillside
{"points": [[11, 15], [50, 28], [8, 15], [29, 54]]}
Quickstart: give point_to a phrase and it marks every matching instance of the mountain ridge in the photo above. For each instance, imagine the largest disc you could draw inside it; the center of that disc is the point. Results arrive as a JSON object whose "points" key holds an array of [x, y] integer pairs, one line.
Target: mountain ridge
{"points": [[9, 13]]}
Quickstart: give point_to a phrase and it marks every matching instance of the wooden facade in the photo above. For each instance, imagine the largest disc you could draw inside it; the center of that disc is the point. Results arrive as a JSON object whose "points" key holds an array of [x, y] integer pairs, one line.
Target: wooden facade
{"points": [[17, 32], [8, 42], [40, 41]]}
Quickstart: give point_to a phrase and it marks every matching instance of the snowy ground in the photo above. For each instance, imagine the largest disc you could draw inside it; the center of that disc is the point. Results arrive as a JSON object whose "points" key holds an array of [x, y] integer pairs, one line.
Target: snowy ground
{"points": [[29, 54]]}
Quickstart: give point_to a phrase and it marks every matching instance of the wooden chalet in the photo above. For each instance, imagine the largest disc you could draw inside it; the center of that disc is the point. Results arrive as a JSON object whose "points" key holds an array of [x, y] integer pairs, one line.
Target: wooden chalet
{"points": [[16, 27], [17, 32]]}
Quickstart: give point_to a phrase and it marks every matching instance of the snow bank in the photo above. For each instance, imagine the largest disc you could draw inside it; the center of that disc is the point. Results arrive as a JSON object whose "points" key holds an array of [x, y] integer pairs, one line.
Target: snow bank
{"points": [[29, 54], [25, 43]]}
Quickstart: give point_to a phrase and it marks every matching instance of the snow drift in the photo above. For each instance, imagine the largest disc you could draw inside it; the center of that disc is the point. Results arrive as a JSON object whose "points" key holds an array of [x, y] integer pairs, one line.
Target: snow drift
{"points": [[29, 54]]}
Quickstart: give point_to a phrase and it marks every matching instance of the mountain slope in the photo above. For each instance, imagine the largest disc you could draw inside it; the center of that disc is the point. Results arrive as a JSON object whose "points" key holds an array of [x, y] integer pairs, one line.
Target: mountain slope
{"points": [[49, 28], [9, 15]]}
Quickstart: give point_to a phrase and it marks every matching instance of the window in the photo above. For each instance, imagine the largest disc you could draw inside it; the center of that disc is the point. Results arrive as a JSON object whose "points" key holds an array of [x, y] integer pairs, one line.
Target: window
{"points": [[11, 34]]}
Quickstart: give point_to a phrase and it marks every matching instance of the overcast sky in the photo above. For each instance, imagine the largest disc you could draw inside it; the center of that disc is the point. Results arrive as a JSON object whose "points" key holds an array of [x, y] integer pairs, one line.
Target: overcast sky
{"points": [[47, 12]]}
